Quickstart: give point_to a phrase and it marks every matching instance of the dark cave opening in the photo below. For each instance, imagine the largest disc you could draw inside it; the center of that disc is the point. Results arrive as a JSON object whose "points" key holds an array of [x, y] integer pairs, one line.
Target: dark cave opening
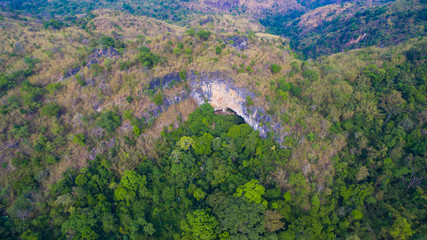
{"points": [[231, 113]]}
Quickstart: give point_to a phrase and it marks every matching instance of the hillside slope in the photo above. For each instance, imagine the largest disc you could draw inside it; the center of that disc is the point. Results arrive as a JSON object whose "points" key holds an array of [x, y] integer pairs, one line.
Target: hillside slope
{"points": [[105, 133], [338, 27]]}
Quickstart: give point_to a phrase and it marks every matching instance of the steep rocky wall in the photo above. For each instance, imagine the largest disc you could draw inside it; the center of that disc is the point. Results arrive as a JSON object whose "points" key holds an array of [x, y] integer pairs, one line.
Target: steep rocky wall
{"points": [[222, 94]]}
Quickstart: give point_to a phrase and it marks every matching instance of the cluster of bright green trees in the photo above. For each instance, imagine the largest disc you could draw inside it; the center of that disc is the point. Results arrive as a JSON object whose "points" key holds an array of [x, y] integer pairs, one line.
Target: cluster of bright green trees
{"points": [[198, 188]]}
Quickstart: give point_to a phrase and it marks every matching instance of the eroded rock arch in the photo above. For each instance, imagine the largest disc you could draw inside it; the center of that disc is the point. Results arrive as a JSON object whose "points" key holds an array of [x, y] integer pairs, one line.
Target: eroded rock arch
{"points": [[222, 95]]}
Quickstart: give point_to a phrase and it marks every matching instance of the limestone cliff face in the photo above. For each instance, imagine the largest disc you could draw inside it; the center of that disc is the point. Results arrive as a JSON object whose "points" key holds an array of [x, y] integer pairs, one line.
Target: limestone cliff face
{"points": [[222, 94]]}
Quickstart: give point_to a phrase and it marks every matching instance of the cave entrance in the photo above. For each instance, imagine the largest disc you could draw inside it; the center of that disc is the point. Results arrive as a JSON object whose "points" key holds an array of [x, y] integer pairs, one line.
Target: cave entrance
{"points": [[229, 112]]}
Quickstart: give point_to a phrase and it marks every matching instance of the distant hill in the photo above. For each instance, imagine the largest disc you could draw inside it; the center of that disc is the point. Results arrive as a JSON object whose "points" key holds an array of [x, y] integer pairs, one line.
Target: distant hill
{"points": [[173, 10], [338, 27]]}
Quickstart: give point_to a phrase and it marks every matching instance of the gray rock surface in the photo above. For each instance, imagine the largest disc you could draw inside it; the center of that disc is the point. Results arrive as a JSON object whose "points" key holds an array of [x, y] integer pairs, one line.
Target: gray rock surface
{"points": [[220, 92], [94, 58]]}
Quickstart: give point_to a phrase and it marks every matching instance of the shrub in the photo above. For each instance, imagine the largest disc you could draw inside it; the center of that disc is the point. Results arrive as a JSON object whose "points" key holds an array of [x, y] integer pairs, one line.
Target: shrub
{"points": [[158, 98], [127, 114], [144, 49], [51, 159], [295, 90], [109, 121], [218, 50], [283, 85], [249, 101], [106, 41], [31, 94], [80, 81], [14, 101], [311, 75], [79, 139], [124, 65], [191, 32], [177, 51], [204, 34], [275, 68], [129, 99], [19, 161], [20, 131], [182, 75], [295, 66], [148, 59], [6, 83], [55, 24], [53, 87], [96, 69], [51, 110]]}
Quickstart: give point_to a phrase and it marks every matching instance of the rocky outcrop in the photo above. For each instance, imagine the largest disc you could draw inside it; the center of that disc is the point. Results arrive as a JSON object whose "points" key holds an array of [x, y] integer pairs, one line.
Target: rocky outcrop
{"points": [[239, 42], [94, 58], [97, 54], [165, 82], [223, 5], [222, 94]]}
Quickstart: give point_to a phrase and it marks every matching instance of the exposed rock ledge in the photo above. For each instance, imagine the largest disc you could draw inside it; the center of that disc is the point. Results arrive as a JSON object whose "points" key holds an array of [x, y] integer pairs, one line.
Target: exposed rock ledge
{"points": [[222, 94]]}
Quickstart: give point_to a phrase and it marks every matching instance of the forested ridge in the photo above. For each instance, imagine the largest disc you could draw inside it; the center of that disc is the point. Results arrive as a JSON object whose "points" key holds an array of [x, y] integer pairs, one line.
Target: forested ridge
{"points": [[350, 25], [89, 150]]}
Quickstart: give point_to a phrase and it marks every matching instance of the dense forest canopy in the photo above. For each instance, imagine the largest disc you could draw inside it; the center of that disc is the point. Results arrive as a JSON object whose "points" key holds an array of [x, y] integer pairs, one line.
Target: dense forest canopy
{"points": [[101, 137]]}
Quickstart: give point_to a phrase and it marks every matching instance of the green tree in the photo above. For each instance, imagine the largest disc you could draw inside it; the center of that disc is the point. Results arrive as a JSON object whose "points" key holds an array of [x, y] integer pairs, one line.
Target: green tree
{"points": [[159, 98], [6, 83], [79, 138], [131, 185], [199, 194], [54, 24], [148, 59], [253, 191], [199, 225], [191, 32], [30, 235], [185, 143], [182, 75], [204, 34], [81, 226], [177, 51], [275, 68], [81, 180], [311, 75], [356, 214], [51, 110], [53, 87], [218, 50], [203, 144], [241, 218], [109, 121], [401, 229]]}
